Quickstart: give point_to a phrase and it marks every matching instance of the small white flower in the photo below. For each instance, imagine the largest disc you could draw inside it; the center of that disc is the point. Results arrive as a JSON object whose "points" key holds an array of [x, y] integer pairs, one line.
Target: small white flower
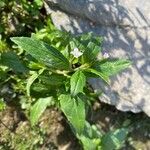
{"points": [[76, 53], [105, 55]]}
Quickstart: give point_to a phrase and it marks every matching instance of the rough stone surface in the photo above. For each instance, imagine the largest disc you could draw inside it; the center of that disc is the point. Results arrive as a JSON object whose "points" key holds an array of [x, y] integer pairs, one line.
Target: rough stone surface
{"points": [[133, 13], [124, 37]]}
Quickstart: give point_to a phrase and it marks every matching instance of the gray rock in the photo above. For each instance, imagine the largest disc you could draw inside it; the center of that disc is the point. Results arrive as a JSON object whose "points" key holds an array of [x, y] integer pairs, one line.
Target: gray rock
{"points": [[128, 91], [133, 13]]}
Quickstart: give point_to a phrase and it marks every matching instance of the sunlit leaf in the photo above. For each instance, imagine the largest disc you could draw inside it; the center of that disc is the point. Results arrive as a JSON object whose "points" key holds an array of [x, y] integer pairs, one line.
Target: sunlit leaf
{"points": [[2, 104], [112, 67], [74, 110], [100, 74], [32, 79], [77, 82], [38, 108], [44, 53]]}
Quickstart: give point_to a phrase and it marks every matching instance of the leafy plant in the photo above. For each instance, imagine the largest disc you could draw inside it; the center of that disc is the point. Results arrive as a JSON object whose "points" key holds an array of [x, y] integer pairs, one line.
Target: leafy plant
{"points": [[20, 16], [2, 104], [61, 72]]}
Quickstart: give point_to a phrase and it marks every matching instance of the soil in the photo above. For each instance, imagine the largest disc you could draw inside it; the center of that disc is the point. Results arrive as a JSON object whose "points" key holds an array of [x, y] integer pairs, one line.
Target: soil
{"points": [[56, 131], [53, 132]]}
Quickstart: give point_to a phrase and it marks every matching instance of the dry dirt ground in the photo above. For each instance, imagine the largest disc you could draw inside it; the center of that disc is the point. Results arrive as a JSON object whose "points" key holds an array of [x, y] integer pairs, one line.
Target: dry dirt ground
{"points": [[53, 132]]}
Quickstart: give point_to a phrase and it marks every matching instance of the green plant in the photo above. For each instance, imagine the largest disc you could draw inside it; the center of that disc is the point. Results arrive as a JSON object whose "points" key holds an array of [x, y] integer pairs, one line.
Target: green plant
{"points": [[20, 17], [59, 74], [2, 104]]}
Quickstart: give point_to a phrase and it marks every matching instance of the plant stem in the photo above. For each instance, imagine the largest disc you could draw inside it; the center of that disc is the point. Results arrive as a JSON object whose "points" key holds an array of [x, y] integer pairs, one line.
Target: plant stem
{"points": [[63, 72], [82, 67]]}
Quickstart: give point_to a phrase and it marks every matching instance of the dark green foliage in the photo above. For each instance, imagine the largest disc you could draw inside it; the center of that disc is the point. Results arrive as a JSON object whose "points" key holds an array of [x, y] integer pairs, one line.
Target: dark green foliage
{"points": [[112, 66], [114, 139], [11, 60], [44, 53], [66, 75], [41, 71], [77, 82], [20, 17], [74, 110]]}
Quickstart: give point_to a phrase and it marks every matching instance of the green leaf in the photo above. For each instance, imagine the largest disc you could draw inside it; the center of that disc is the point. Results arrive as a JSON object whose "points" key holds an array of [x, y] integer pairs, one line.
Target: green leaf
{"points": [[53, 79], [3, 74], [91, 52], [90, 144], [38, 108], [92, 46], [11, 60], [2, 104], [74, 110], [91, 137], [44, 53], [42, 90], [114, 139], [32, 79], [91, 131], [39, 3], [2, 4], [112, 67], [75, 43], [77, 82], [100, 74], [39, 89]]}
